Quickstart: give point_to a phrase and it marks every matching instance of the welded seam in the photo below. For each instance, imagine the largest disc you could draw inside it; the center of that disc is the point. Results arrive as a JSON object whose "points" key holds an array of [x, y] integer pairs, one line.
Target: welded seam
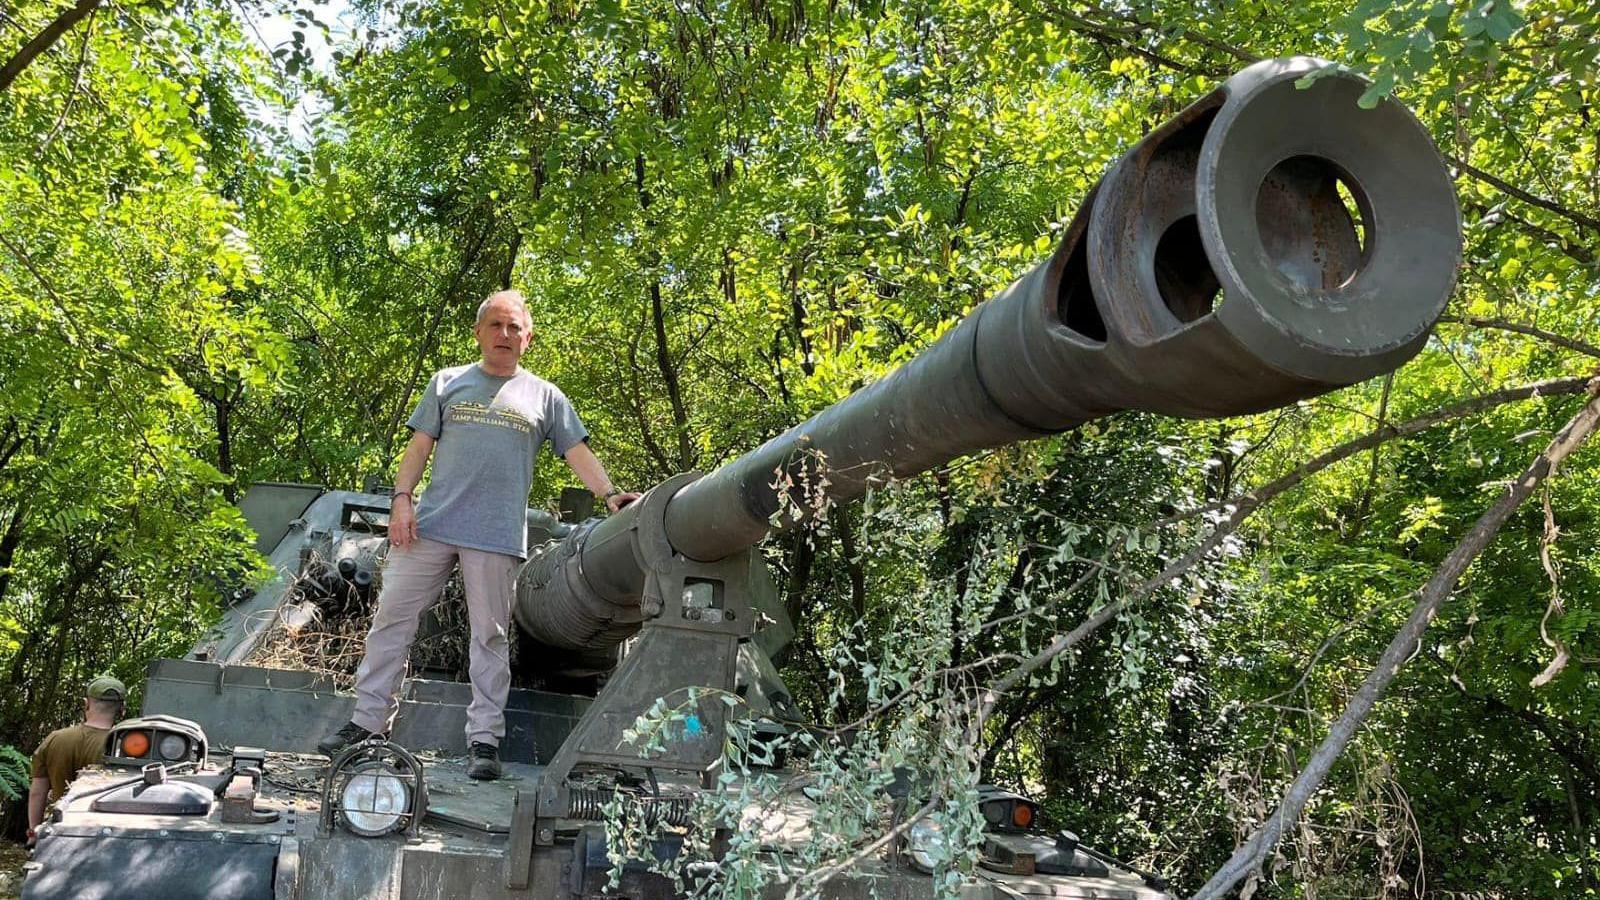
{"points": [[977, 372]]}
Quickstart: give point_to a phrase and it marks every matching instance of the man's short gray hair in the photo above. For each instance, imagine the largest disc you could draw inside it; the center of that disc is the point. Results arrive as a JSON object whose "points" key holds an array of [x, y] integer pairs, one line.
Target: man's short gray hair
{"points": [[515, 297]]}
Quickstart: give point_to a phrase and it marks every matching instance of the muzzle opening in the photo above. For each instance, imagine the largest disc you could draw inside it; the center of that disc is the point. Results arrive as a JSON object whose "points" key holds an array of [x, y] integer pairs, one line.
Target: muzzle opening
{"points": [[1188, 286], [1314, 219], [1075, 304]]}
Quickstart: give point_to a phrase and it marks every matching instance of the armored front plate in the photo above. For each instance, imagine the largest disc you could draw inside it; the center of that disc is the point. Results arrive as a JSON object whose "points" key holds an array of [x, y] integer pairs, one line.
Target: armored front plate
{"points": [[151, 865], [288, 710]]}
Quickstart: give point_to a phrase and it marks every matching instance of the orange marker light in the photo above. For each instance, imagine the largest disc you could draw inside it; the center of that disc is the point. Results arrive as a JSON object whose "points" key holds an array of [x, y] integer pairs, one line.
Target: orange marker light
{"points": [[1022, 815], [135, 743]]}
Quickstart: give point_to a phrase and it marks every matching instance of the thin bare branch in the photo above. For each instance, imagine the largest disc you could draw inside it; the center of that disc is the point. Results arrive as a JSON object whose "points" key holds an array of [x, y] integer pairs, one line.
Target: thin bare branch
{"points": [[1559, 340], [816, 879], [1571, 215], [1555, 609], [1460, 409]]}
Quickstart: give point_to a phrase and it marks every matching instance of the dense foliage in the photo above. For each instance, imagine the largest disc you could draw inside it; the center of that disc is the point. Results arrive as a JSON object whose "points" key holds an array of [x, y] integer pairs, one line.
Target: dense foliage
{"points": [[732, 214]]}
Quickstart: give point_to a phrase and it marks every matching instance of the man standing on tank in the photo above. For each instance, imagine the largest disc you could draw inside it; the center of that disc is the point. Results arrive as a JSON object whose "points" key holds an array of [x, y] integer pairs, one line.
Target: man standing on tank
{"points": [[483, 424]]}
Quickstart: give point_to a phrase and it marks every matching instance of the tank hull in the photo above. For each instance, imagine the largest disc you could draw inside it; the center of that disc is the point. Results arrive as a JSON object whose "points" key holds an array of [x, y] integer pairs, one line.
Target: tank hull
{"points": [[461, 851]]}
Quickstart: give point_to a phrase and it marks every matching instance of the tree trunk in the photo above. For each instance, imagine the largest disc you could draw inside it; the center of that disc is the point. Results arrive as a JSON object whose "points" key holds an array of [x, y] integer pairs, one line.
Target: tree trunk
{"points": [[36, 692], [14, 438], [669, 377], [658, 318], [512, 247], [635, 401], [803, 558], [230, 488], [852, 563], [468, 260], [9, 543]]}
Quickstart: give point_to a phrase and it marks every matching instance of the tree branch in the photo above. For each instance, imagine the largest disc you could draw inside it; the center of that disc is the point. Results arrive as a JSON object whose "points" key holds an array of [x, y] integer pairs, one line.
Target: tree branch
{"points": [[810, 883], [44, 40], [1480, 403], [635, 401], [468, 260], [1365, 505], [1551, 237], [1506, 187], [1580, 762], [1248, 503], [658, 319], [1572, 344], [77, 85]]}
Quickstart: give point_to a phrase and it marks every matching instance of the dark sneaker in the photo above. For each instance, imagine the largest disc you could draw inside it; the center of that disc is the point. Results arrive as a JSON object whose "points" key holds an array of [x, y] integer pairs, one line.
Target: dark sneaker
{"points": [[350, 735], [483, 761]]}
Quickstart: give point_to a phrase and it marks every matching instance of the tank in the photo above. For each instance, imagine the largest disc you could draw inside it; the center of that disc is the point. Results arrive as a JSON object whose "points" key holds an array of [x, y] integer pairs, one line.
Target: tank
{"points": [[1272, 242]]}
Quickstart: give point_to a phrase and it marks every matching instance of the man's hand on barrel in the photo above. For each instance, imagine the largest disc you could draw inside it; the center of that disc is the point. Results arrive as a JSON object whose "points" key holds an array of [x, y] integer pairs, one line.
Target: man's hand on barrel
{"points": [[616, 500]]}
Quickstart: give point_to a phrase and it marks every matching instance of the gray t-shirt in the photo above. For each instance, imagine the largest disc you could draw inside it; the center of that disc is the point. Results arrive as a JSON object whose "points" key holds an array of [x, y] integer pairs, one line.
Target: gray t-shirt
{"points": [[488, 430]]}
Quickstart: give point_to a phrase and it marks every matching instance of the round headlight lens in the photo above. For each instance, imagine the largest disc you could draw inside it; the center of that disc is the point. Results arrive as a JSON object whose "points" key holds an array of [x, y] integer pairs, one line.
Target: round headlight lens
{"points": [[927, 845], [135, 744], [173, 747], [374, 799]]}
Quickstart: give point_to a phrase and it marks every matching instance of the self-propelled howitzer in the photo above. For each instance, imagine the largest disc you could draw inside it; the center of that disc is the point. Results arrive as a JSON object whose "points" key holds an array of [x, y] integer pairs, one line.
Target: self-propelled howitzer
{"points": [[1272, 242], [1268, 244]]}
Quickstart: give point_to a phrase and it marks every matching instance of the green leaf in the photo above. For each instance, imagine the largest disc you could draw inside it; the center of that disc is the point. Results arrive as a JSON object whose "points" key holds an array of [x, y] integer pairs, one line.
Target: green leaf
{"points": [[1503, 23], [1377, 91]]}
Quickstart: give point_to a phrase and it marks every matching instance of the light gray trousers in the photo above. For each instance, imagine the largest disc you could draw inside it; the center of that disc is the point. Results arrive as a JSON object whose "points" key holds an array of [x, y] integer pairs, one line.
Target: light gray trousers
{"points": [[413, 578]]}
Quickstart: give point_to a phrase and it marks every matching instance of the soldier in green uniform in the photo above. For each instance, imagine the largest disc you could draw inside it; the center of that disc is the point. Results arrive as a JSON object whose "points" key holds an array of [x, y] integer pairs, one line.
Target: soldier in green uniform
{"points": [[66, 750]]}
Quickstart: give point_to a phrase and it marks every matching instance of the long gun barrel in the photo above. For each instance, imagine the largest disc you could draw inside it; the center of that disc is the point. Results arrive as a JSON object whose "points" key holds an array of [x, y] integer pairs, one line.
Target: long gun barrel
{"points": [[1270, 243]]}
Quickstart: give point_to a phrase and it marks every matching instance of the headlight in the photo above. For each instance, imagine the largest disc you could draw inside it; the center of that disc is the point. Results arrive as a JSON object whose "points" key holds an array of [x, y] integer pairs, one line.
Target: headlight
{"points": [[1005, 811], [927, 844], [135, 744], [173, 747], [1022, 815], [374, 788], [375, 799], [166, 739]]}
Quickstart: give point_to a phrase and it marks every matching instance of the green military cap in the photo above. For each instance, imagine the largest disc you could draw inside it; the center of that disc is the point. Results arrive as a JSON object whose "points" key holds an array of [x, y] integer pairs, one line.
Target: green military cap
{"points": [[106, 688]]}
